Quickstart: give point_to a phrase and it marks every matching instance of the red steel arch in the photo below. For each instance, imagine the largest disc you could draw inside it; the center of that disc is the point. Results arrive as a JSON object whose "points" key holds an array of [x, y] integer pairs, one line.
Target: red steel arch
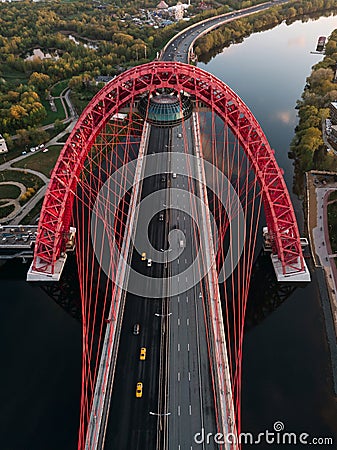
{"points": [[57, 207]]}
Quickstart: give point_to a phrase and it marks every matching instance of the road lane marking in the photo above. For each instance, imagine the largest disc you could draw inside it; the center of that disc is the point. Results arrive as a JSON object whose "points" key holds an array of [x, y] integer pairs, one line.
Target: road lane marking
{"points": [[185, 260], [190, 411], [178, 410], [178, 376], [178, 260], [178, 347], [178, 299], [187, 299], [186, 279], [189, 376], [187, 322], [178, 321], [188, 347]]}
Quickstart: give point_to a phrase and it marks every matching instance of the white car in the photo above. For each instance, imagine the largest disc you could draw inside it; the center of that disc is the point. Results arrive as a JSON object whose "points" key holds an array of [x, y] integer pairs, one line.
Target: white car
{"points": [[149, 262]]}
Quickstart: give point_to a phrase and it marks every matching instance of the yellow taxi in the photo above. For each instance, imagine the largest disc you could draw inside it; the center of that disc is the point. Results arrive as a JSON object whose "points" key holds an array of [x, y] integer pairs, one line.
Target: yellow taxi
{"points": [[142, 355], [143, 256], [139, 390]]}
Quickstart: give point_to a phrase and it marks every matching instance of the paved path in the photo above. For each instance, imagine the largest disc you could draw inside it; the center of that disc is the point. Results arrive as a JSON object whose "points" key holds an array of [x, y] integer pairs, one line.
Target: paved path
{"points": [[12, 201], [20, 212]]}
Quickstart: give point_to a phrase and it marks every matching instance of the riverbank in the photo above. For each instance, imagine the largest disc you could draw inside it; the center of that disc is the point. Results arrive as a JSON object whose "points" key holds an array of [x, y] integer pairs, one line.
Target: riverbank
{"points": [[214, 42], [319, 185]]}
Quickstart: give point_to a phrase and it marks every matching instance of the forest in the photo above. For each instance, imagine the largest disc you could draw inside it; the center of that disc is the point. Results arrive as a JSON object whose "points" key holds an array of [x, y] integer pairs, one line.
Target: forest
{"points": [[105, 41], [84, 39], [308, 148]]}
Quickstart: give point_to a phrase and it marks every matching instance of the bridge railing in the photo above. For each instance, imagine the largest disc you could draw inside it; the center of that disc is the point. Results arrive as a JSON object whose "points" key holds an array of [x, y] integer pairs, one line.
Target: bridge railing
{"points": [[100, 407], [225, 403]]}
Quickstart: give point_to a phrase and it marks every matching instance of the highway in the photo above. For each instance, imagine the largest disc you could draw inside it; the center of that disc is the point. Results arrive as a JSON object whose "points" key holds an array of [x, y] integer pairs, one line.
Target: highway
{"points": [[179, 47], [190, 404], [130, 423], [191, 400], [178, 399]]}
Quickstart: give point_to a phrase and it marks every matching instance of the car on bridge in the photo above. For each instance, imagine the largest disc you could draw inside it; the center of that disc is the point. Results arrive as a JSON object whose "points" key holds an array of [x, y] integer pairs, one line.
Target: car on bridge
{"points": [[139, 389], [142, 355], [143, 256]]}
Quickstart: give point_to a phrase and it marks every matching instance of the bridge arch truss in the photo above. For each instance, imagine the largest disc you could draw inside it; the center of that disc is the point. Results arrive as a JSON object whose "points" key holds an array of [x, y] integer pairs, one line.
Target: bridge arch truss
{"points": [[55, 218]]}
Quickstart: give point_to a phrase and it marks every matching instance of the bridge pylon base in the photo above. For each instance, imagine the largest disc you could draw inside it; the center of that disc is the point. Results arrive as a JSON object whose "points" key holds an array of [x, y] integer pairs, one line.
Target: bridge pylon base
{"points": [[47, 274], [291, 276]]}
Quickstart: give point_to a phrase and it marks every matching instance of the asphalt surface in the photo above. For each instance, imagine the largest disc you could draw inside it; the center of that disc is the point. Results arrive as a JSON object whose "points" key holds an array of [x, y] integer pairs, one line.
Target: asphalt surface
{"points": [[130, 423], [178, 48], [134, 422], [191, 401]]}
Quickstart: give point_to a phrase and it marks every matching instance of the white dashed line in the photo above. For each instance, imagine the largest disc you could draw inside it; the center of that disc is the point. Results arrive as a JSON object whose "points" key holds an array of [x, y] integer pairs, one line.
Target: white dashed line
{"points": [[178, 321], [178, 376], [187, 322], [185, 260], [178, 347], [190, 411], [186, 299], [189, 376], [178, 410], [188, 347]]}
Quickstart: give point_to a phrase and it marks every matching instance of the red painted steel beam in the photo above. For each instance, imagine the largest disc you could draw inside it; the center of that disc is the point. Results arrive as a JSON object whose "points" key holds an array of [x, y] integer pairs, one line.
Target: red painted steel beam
{"points": [[205, 88]]}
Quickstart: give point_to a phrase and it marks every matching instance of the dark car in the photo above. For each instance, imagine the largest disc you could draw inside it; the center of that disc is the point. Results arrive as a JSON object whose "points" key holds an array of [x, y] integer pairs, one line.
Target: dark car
{"points": [[136, 328]]}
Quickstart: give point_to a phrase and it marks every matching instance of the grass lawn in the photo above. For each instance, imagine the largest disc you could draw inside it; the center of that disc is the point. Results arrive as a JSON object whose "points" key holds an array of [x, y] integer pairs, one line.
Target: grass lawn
{"points": [[52, 133], [9, 191], [28, 179], [11, 154], [42, 162], [53, 115], [14, 77], [65, 137], [5, 211], [332, 225], [30, 218], [58, 88], [332, 196]]}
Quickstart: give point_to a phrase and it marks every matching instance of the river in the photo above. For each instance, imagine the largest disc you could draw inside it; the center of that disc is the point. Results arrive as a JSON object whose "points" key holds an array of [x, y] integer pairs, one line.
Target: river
{"points": [[286, 369], [286, 360]]}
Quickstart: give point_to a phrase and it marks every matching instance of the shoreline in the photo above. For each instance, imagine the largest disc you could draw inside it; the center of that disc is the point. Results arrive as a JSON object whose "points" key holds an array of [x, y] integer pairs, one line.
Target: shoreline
{"points": [[325, 268]]}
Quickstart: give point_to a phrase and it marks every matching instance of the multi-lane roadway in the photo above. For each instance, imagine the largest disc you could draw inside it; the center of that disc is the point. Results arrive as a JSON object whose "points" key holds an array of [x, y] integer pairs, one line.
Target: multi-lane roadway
{"points": [[177, 397], [179, 48]]}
